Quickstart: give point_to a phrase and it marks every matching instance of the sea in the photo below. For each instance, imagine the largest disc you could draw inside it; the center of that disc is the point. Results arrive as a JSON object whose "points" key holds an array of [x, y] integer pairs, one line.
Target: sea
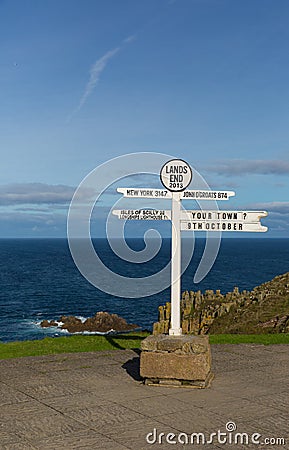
{"points": [[39, 280]]}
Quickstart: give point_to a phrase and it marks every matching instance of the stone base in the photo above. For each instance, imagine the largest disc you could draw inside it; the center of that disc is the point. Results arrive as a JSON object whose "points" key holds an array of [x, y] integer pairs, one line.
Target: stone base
{"points": [[176, 361]]}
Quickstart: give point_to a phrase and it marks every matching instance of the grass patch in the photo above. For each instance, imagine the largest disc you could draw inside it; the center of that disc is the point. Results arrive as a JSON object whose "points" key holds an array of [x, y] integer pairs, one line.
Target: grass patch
{"points": [[70, 344], [80, 343]]}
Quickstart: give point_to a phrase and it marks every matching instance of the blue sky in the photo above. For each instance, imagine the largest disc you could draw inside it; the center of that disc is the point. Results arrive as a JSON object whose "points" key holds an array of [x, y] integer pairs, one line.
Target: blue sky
{"points": [[84, 82]]}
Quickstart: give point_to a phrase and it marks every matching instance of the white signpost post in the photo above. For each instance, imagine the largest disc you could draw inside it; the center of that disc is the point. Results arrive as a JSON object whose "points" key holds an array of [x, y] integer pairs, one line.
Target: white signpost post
{"points": [[176, 176]]}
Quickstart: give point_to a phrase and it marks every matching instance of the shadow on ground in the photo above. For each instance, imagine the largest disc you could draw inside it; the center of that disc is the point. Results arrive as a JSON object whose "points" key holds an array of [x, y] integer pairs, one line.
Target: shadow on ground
{"points": [[112, 340], [132, 366]]}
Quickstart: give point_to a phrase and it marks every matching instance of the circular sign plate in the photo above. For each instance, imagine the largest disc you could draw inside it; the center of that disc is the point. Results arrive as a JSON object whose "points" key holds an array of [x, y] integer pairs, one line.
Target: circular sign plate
{"points": [[176, 175]]}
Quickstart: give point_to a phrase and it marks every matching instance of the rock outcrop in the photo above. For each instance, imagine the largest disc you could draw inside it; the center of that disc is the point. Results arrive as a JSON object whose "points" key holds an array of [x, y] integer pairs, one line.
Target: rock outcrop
{"points": [[265, 309], [101, 322]]}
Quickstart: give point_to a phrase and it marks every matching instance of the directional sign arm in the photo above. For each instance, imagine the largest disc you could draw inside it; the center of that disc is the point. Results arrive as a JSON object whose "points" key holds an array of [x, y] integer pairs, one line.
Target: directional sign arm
{"points": [[185, 195], [142, 214], [189, 194], [201, 220], [222, 226], [145, 193], [244, 216]]}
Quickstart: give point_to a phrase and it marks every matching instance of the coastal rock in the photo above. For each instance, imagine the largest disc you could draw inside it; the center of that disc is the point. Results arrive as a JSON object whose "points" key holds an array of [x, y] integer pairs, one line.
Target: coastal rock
{"points": [[101, 322], [278, 323], [71, 324], [47, 323], [263, 310]]}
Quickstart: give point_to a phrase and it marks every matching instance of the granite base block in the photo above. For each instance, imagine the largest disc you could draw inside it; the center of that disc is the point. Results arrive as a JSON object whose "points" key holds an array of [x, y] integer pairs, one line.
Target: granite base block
{"points": [[176, 360]]}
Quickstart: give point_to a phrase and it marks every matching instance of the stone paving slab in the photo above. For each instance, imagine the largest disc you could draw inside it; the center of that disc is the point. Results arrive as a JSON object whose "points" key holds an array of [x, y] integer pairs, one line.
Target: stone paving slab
{"points": [[83, 441], [96, 401]]}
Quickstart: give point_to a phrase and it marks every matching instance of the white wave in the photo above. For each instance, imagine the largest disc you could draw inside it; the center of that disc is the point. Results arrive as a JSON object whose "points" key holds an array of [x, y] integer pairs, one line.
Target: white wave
{"points": [[63, 330], [83, 319], [57, 327]]}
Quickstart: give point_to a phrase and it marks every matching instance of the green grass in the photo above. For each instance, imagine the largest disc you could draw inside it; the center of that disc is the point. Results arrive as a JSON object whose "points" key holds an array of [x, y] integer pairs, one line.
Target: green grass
{"points": [[70, 344], [74, 344]]}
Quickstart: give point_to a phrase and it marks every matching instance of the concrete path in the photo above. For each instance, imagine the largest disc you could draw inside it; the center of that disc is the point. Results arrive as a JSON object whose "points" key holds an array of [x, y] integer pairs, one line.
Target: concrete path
{"points": [[96, 401]]}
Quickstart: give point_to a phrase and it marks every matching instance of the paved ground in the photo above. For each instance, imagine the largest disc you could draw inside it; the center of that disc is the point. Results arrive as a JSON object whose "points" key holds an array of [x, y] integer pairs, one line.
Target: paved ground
{"points": [[96, 401]]}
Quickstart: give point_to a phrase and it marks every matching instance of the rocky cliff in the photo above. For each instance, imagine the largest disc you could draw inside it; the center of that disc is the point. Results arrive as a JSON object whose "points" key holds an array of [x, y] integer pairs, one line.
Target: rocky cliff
{"points": [[265, 309]]}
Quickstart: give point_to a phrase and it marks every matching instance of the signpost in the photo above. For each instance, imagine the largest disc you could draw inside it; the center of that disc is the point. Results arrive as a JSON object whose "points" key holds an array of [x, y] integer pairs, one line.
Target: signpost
{"points": [[176, 176]]}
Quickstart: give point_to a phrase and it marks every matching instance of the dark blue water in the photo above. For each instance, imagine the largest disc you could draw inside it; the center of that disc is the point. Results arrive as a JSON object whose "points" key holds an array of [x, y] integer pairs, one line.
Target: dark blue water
{"points": [[40, 281]]}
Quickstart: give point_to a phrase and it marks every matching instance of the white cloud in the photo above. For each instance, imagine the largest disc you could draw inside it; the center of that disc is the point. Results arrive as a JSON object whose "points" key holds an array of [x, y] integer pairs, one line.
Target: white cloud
{"points": [[96, 70], [15, 223], [274, 207], [38, 193], [129, 39], [242, 167], [95, 73]]}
